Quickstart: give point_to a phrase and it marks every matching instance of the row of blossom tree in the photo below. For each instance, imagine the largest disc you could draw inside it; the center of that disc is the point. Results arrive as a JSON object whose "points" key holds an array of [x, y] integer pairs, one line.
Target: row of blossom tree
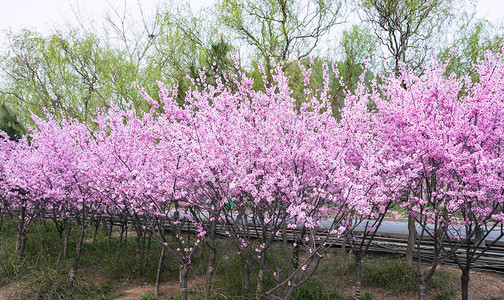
{"points": [[275, 178]]}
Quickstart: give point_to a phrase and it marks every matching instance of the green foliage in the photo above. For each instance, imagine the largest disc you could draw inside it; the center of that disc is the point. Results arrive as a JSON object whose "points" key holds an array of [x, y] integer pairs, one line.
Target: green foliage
{"points": [[407, 28], [9, 123], [314, 289], [470, 46], [367, 296], [396, 275], [147, 296], [230, 283], [445, 295], [279, 30]]}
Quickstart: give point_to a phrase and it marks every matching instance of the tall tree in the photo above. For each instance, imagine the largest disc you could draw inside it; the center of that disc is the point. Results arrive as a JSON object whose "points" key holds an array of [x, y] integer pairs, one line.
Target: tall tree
{"points": [[470, 46], [406, 28], [280, 30]]}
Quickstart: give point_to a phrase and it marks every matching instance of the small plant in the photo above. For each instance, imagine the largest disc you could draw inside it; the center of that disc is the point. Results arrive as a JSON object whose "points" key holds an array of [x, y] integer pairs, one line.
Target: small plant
{"points": [[147, 296], [389, 274], [445, 296], [367, 296], [313, 289]]}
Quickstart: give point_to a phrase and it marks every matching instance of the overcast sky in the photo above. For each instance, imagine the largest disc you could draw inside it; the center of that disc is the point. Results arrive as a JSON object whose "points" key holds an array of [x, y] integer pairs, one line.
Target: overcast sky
{"points": [[44, 15]]}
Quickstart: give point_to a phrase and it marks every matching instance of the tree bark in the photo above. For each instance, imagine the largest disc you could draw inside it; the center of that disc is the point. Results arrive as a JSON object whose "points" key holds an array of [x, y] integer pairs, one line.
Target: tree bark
{"points": [[139, 251], [211, 262], [65, 239], [184, 272], [411, 240], [465, 284], [358, 273], [259, 289], [78, 251], [1, 225], [21, 235], [21, 244], [246, 281], [109, 241], [97, 225], [158, 273], [421, 291]]}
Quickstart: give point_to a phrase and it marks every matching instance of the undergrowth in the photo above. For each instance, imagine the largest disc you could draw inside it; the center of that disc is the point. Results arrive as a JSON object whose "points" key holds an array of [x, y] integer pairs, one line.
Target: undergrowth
{"points": [[104, 269]]}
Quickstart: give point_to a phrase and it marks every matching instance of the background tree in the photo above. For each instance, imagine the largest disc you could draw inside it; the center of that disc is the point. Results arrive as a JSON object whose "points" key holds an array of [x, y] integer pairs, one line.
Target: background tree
{"points": [[9, 123], [280, 30], [406, 28], [470, 46]]}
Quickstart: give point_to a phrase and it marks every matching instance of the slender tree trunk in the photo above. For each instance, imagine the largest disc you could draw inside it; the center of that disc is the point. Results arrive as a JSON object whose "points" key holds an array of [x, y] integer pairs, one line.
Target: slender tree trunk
{"points": [[21, 234], [138, 250], [97, 225], [358, 273], [421, 290], [109, 242], [211, 262], [78, 252], [65, 239], [246, 281], [478, 236], [184, 272], [22, 245], [158, 273], [465, 284], [260, 277], [121, 237], [1, 225], [411, 240], [126, 234], [285, 239]]}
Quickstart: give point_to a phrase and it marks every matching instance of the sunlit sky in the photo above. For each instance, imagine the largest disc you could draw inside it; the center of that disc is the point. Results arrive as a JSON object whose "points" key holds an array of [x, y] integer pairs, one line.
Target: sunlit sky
{"points": [[46, 15]]}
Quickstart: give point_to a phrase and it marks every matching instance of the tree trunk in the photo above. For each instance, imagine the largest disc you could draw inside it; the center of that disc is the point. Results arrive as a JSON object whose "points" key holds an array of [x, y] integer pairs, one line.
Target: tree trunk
{"points": [[259, 288], [285, 239], [78, 251], [358, 272], [126, 234], [65, 240], [421, 291], [246, 281], [120, 237], [21, 235], [211, 262], [465, 284], [139, 251], [411, 240], [109, 242], [21, 245], [158, 273], [478, 236], [1, 225], [184, 272], [97, 225]]}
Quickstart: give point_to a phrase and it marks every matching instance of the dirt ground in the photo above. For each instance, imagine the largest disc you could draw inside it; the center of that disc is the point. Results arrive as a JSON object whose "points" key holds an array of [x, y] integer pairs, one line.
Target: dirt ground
{"points": [[482, 286]]}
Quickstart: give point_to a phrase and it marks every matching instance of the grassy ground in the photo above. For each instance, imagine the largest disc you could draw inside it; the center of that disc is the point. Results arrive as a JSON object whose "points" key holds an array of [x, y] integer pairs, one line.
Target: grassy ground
{"points": [[106, 273]]}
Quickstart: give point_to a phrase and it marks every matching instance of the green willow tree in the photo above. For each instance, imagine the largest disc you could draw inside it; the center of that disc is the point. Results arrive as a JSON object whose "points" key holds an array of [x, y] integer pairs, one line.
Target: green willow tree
{"points": [[67, 72], [407, 28], [470, 46], [280, 30]]}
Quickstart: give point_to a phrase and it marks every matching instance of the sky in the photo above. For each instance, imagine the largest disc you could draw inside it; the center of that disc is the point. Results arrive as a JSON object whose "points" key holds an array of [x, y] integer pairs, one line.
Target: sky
{"points": [[46, 15]]}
